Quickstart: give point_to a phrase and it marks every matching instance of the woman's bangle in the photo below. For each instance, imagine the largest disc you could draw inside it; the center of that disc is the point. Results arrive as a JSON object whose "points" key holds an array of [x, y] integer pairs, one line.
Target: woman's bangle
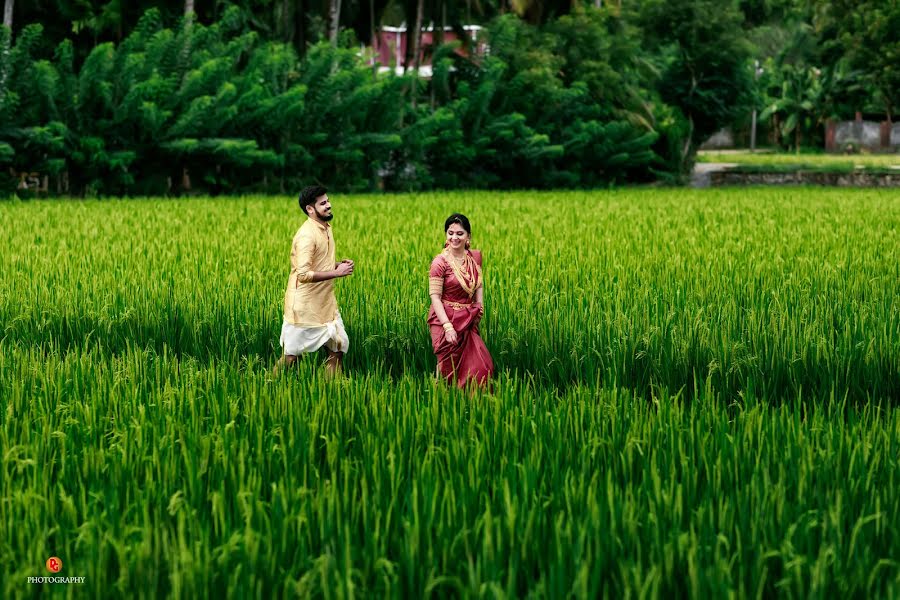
{"points": [[447, 326]]}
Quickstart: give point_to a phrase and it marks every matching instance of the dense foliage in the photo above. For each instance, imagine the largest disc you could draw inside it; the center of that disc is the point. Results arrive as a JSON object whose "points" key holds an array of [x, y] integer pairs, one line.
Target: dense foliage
{"points": [[99, 97]]}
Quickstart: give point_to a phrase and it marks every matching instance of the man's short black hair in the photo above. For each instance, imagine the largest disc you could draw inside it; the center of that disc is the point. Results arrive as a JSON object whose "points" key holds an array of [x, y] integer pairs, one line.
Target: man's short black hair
{"points": [[309, 194]]}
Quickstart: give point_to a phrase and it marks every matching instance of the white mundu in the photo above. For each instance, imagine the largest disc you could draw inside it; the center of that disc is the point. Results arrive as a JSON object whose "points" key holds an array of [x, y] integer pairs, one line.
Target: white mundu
{"points": [[300, 339]]}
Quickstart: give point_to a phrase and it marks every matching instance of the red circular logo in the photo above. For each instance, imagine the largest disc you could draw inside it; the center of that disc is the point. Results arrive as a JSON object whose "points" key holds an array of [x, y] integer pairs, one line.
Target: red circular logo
{"points": [[54, 565]]}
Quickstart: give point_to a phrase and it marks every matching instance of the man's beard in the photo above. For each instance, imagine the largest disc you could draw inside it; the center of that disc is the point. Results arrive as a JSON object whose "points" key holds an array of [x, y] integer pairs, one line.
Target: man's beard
{"points": [[325, 218]]}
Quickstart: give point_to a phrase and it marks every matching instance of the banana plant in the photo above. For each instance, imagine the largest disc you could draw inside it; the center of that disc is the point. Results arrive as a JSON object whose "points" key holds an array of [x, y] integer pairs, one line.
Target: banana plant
{"points": [[800, 94]]}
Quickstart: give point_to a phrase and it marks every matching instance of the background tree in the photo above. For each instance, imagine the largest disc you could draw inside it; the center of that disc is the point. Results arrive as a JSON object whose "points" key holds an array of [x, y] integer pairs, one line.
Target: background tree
{"points": [[184, 96], [866, 34], [703, 57]]}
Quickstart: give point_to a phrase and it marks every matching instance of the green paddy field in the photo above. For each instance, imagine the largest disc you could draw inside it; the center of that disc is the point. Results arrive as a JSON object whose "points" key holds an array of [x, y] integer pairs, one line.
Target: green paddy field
{"points": [[698, 395]]}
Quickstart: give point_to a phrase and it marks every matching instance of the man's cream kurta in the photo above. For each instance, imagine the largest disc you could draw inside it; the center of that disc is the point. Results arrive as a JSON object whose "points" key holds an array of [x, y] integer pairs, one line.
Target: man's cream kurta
{"points": [[307, 303]]}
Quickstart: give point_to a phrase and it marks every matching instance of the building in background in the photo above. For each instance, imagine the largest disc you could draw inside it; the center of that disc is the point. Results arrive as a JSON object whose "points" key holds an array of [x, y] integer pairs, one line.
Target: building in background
{"points": [[391, 42]]}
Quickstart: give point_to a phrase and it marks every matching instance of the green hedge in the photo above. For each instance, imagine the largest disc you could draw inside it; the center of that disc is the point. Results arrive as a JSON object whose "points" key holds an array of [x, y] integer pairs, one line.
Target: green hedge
{"points": [[215, 109]]}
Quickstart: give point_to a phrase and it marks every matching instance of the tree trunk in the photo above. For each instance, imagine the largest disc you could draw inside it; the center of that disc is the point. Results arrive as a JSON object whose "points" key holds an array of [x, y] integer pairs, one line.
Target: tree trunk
{"points": [[439, 41], [417, 34], [686, 148], [439, 34], [8, 13], [753, 131], [8, 21], [189, 17], [287, 21], [374, 37], [300, 29], [334, 20], [416, 48], [372, 23]]}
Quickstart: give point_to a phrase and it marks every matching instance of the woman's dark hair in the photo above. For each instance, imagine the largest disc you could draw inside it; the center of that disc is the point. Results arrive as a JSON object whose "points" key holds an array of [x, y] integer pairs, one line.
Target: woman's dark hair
{"points": [[309, 194], [460, 220]]}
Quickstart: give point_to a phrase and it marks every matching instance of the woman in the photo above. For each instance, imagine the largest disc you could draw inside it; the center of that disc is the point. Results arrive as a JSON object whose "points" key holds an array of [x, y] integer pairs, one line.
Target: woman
{"points": [[456, 288]]}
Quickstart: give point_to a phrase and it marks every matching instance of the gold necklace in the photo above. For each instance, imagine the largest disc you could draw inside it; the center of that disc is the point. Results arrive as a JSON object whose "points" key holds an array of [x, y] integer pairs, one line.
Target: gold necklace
{"points": [[461, 270], [457, 261]]}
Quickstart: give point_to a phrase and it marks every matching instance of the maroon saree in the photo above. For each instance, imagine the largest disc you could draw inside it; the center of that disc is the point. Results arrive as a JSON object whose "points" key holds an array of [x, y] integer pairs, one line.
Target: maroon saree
{"points": [[468, 359]]}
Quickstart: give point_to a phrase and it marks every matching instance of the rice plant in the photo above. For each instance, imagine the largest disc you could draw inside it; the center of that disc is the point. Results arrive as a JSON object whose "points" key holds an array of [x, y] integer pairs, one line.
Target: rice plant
{"points": [[696, 396]]}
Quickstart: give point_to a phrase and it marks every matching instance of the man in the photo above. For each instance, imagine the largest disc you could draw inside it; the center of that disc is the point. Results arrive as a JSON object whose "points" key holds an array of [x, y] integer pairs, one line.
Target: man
{"points": [[311, 317]]}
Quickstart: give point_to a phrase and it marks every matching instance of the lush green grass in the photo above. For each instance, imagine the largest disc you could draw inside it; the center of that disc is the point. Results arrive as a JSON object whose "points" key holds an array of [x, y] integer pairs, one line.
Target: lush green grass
{"points": [[696, 395], [805, 161]]}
